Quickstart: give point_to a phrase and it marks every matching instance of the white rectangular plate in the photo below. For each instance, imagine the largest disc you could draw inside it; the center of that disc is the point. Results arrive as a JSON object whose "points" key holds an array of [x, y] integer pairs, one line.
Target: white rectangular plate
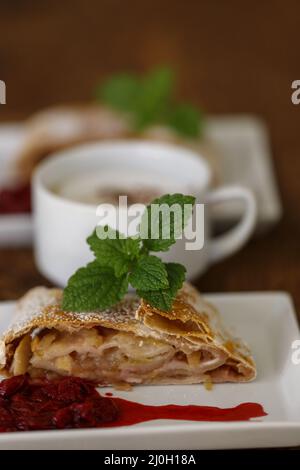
{"points": [[267, 322], [243, 158]]}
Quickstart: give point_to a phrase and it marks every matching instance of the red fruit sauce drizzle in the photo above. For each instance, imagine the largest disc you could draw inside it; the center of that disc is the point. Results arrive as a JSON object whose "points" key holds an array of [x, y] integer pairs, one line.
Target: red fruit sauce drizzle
{"points": [[71, 402], [15, 200], [133, 413]]}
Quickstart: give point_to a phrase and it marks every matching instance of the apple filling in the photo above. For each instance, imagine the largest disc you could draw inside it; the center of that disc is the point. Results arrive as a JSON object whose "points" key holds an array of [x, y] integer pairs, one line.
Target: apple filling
{"points": [[114, 357]]}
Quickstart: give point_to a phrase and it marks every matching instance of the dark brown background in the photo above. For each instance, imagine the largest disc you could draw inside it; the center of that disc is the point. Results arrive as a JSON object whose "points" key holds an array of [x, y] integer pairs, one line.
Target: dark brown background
{"points": [[230, 56]]}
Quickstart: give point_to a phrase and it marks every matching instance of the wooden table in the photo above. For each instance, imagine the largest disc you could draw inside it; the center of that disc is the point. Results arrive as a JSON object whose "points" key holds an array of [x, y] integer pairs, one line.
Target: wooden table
{"points": [[231, 57]]}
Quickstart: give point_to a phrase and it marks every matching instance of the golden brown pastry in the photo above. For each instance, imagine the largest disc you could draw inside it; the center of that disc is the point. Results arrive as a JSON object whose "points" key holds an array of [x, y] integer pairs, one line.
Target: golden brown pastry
{"points": [[131, 343]]}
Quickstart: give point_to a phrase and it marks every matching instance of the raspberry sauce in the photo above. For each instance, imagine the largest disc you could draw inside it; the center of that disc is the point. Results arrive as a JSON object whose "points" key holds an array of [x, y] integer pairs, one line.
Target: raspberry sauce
{"points": [[71, 402], [15, 200], [68, 402]]}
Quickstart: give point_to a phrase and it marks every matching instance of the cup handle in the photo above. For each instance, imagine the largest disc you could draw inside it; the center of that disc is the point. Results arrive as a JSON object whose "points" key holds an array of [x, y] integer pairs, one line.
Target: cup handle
{"points": [[227, 244]]}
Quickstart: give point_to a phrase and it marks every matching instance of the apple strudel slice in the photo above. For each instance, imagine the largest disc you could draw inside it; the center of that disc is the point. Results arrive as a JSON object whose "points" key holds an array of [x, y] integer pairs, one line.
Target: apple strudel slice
{"points": [[131, 343]]}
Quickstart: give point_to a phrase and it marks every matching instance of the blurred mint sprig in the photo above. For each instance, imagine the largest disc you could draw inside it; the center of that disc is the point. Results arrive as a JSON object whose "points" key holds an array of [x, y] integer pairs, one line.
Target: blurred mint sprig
{"points": [[150, 101]]}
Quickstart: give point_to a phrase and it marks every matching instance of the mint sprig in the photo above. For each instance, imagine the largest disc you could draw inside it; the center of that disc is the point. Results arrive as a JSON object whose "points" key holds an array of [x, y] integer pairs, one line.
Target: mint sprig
{"points": [[120, 261], [149, 100]]}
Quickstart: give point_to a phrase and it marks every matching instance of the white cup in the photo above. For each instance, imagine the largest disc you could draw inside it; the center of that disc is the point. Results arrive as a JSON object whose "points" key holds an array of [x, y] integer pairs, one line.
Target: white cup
{"points": [[62, 225]]}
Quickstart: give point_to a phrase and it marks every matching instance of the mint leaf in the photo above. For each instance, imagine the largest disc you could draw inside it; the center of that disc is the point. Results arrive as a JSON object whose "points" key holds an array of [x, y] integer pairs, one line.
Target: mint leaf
{"points": [[149, 273], [176, 277], [154, 97], [116, 251], [160, 226], [145, 97], [121, 92], [163, 298], [185, 120], [93, 287]]}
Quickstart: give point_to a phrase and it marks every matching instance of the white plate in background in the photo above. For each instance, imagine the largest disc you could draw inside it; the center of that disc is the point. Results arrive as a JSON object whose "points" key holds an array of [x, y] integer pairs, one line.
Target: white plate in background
{"points": [[15, 229], [11, 139], [243, 157], [267, 322]]}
